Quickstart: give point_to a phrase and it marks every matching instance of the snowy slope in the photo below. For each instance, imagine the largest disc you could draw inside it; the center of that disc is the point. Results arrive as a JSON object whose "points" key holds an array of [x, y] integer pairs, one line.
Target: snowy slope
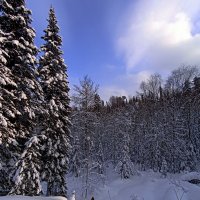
{"points": [[146, 186], [149, 186], [31, 198]]}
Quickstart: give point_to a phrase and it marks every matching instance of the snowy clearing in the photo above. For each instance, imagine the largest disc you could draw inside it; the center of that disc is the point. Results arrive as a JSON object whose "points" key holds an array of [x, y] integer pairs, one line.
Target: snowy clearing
{"points": [[147, 186], [18, 197]]}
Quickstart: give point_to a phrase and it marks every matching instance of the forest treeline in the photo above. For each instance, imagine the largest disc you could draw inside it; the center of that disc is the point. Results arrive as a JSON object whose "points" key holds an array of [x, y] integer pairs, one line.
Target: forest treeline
{"points": [[157, 129]]}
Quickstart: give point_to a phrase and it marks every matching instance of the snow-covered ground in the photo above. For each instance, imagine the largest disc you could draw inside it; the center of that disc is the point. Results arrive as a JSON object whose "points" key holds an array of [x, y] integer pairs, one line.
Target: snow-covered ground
{"points": [[146, 186], [149, 186], [31, 198]]}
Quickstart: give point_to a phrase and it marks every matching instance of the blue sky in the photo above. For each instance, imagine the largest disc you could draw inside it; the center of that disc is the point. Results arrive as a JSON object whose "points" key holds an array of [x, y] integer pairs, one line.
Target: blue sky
{"points": [[119, 43]]}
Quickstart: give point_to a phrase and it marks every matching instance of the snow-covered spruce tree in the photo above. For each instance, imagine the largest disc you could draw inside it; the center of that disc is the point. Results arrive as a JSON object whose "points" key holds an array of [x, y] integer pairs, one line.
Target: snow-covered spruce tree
{"points": [[15, 21], [53, 78], [125, 166], [7, 113], [28, 168], [19, 87]]}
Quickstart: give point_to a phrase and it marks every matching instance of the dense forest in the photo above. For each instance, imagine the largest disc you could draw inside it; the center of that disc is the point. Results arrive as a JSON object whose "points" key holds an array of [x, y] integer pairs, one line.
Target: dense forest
{"points": [[43, 136], [156, 129]]}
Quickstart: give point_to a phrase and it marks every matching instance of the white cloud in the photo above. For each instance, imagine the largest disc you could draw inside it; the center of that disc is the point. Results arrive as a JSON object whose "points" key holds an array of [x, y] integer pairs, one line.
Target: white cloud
{"points": [[158, 35], [155, 36]]}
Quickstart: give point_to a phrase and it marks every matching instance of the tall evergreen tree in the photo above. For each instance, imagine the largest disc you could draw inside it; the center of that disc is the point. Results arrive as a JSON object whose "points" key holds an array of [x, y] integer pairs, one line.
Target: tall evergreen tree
{"points": [[125, 166], [19, 87], [7, 113], [28, 173], [15, 21], [52, 74]]}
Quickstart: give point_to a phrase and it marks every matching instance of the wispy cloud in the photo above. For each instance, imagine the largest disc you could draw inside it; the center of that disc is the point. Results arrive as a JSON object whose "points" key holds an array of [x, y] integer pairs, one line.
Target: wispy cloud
{"points": [[155, 36], [161, 35]]}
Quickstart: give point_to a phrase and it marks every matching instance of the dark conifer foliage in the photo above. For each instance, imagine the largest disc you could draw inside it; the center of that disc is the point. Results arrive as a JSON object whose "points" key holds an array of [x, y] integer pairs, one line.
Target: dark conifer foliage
{"points": [[53, 79], [21, 93], [8, 112], [27, 176], [19, 45]]}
